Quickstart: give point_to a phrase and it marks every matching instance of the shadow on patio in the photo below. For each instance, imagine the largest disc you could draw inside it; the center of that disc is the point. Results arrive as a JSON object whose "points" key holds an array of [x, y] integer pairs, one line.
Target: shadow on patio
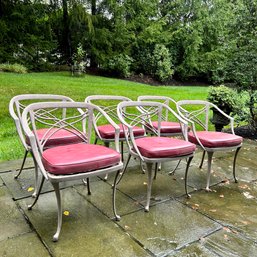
{"points": [[220, 223]]}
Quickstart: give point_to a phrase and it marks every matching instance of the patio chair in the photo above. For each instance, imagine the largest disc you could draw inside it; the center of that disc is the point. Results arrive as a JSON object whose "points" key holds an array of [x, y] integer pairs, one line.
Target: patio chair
{"points": [[79, 160], [169, 127], [197, 114], [105, 132], [16, 107], [153, 149]]}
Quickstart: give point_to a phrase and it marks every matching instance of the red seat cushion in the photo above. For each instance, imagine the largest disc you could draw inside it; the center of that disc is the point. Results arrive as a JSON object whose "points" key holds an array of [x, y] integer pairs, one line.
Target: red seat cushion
{"points": [[76, 158], [60, 137], [108, 131], [168, 127], [214, 139], [161, 147]]}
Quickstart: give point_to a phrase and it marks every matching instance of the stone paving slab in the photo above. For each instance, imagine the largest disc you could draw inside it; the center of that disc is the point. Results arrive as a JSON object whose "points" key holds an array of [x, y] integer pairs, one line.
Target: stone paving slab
{"points": [[15, 165], [100, 190], [221, 243], [167, 226], [12, 222], [85, 231], [229, 207], [24, 185], [26, 245]]}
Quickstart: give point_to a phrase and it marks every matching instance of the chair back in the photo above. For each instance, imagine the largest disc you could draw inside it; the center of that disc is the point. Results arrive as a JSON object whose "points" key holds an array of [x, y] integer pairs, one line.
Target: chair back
{"points": [[197, 113], [78, 121], [138, 113], [162, 99], [18, 104]]}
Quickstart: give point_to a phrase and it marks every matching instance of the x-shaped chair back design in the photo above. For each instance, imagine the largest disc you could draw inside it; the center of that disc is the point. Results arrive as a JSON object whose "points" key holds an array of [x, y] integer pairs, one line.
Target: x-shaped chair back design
{"points": [[153, 149], [169, 127], [197, 114], [16, 107], [79, 160], [109, 103]]}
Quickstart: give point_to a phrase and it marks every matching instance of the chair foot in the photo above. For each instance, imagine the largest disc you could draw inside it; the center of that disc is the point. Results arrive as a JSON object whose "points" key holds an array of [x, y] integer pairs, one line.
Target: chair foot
{"points": [[56, 237], [147, 209], [117, 218], [106, 177], [207, 189], [34, 195], [188, 196]]}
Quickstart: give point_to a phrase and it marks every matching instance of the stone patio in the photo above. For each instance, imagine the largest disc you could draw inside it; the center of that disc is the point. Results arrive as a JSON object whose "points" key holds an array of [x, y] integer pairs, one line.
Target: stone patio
{"points": [[220, 223]]}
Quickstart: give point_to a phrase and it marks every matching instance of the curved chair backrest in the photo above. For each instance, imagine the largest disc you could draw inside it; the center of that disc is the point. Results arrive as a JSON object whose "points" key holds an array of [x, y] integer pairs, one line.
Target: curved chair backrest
{"points": [[131, 115], [197, 112], [18, 104], [78, 121], [162, 99], [108, 103]]}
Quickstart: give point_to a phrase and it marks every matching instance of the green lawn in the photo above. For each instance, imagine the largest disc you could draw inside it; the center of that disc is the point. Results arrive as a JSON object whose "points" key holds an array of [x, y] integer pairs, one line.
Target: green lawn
{"points": [[78, 89]]}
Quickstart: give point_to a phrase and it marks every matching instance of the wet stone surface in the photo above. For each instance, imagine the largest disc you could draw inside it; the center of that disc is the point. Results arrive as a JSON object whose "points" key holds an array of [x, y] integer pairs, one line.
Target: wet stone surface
{"points": [[25, 245], [84, 230], [12, 222], [167, 226], [219, 223]]}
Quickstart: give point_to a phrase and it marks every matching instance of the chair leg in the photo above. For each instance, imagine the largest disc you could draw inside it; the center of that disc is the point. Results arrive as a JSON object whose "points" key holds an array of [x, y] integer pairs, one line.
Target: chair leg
{"points": [[173, 171], [156, 168], [210, 154], [187, 168], [36, 177], [22, 165], [234, 164], [117, 217], [122, 150], [59, 206], [124, 169], [149, 185], [38, 193], [107, 144], [142, 167], [87, 183], [201, 164]]}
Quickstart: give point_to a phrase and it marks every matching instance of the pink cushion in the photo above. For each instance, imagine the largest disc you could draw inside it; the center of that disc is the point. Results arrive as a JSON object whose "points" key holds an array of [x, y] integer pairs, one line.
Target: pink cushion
{"points": [[168, 127], [61, 137], [76, 158], [108, 131], [160, 147], [214, 139]]}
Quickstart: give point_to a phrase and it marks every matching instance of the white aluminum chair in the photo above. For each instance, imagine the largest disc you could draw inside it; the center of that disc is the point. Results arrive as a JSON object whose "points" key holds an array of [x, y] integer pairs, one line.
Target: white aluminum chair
{"points": [[16, 107], [153, 149], [169, 127], [197, 113], [105, 132], [80, 160]]}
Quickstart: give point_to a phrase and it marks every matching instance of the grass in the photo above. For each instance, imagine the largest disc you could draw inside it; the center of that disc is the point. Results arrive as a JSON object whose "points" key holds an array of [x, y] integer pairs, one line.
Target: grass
{"points": [[78, 88]]}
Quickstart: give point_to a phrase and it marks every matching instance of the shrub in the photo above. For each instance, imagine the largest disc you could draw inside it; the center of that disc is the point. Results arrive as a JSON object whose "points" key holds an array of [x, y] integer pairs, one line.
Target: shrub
{"points": [[224, 97], [17, 68], [119, 65]]}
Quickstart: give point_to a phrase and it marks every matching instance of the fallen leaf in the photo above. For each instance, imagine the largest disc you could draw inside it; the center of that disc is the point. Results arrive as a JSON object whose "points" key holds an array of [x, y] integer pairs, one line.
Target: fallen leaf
{"points": [[30, 189], [145, 183], [127, 227], [227, 229], [226, 237], [155, 223], [245, 222], [248, 195], [213, 210], [66, 213], [221, 196]]}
